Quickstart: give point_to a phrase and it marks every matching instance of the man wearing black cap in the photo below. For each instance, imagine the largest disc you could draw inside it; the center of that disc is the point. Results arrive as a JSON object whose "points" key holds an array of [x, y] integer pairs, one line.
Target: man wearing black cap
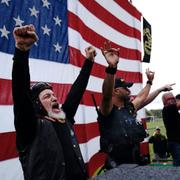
{"points": [[47, 146], [120, 133]]}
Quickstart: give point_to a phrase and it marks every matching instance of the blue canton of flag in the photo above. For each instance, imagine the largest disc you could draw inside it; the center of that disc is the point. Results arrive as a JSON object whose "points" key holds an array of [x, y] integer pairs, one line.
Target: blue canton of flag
{"points": [[50, 20]]}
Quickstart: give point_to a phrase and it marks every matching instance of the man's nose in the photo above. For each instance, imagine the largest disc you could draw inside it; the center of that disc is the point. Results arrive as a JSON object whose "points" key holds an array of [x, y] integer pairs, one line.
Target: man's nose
{"points": [[54, 98]]}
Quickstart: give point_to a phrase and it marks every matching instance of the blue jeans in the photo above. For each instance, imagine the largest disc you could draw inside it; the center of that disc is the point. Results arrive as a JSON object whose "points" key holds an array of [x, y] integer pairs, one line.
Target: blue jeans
{"points": [[174, 149]]}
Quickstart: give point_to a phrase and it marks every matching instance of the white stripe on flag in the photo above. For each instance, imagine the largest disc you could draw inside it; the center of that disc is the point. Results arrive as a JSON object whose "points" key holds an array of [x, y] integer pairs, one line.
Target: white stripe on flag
{"points": [[76, 41], [90, 148], [11, 170], [84, 115], [41, 70]]}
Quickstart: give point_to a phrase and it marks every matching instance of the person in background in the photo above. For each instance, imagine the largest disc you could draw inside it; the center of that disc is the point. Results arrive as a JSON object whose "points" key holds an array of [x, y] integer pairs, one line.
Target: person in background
{"points": [[159, 142], [171, 118], [47, 146]]}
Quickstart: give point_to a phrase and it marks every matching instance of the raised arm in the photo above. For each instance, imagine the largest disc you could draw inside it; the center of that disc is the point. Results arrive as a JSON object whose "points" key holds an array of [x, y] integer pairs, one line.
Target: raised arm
{"points": [[154, 94], [78, 88], [112, 57], [143, 94], [23, 109]]}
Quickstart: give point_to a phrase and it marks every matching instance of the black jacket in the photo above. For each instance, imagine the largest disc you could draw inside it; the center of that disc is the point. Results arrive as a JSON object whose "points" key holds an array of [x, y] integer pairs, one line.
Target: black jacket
{"points": [[44, 146], [171, 118], [159, 142], [119, 134]]}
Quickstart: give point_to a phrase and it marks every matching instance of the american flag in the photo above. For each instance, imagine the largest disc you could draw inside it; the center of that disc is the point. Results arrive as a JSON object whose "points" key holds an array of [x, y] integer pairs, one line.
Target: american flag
{"points": [[65, 28]]}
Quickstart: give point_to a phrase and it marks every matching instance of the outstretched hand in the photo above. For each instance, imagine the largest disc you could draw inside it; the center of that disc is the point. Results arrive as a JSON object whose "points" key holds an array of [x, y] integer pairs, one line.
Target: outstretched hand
{"points": [[25, 37], [111, 54], [167, 87]]}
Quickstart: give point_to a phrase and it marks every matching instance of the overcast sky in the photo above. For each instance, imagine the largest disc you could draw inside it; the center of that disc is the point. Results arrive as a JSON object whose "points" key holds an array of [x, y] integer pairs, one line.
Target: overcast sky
{"points": [[164, 17]]}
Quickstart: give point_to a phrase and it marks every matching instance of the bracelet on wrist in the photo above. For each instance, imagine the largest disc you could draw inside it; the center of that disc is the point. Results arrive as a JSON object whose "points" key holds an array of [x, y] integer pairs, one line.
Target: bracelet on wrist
{"points": [[111, 70], [149, 82]]}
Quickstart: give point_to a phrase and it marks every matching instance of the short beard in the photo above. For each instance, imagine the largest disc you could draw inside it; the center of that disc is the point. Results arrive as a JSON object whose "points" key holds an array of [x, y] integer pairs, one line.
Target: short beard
{"points": [[58, 116], [124, 98]]}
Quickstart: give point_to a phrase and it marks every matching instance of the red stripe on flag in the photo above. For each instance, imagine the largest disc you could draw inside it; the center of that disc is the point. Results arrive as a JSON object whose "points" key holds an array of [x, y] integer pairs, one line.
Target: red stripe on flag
{"points": [[60, 91], [77, 59], [8, 146], [95, 163], [86, 132], [5, 92], [98, 40], [127, 6], [110, 19]]}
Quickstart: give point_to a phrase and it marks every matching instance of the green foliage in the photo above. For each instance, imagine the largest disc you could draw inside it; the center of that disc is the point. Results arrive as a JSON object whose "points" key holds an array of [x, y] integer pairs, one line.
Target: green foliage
{"points": [[148, 113], [157, 113]]}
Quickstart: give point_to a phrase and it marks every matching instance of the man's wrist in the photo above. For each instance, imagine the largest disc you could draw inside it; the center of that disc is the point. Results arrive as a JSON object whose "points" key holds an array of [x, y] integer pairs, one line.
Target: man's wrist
{"points": [[22, 47], [111, 70], [149, 82]]}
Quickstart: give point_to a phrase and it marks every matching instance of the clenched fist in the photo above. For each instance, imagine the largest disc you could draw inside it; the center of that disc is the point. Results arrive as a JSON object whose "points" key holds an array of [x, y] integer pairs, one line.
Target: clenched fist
{"points": [[90, 53], [25, 37]]}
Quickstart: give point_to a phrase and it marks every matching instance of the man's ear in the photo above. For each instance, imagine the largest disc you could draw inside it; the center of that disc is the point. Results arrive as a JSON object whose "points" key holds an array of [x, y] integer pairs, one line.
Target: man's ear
{"points": [[115, 91]]}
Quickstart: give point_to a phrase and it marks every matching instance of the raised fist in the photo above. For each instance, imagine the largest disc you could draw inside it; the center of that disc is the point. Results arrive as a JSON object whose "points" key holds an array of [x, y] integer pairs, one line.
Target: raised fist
{"points": [[25, 37], [90, 53]]}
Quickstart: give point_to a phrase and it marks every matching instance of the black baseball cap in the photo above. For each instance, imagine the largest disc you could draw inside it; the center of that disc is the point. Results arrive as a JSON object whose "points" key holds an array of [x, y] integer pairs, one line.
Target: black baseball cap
{"points": [[119, 82], [39, 87]]}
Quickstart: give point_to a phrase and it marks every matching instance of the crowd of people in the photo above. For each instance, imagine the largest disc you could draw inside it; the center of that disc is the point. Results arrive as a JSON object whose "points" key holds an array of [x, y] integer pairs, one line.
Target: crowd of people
{"points": [[47, 145]]}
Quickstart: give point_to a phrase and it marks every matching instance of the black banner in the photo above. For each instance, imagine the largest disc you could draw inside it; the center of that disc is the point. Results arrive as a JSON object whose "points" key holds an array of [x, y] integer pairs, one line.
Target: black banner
{"points": [[147, 40]]}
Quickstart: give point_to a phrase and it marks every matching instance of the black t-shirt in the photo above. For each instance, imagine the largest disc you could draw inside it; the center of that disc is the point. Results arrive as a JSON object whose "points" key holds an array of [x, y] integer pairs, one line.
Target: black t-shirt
{"points": [[171, 118]]}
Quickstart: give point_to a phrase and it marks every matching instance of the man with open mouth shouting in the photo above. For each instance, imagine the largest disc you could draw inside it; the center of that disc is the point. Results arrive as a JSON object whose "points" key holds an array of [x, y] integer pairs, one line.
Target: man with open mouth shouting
{"points": [[47, 146]]}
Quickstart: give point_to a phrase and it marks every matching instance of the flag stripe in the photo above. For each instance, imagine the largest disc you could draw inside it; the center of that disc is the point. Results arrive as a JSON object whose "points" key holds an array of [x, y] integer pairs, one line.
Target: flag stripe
{"points": [[99, 70], [60, 90], [84, 115], [91, 131], [96, 161], [128, 51], [8, 150], [105, 16], [52, 72], [90, 125], [11, 170], [133, 64], [90, 148], [129, 8]]}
